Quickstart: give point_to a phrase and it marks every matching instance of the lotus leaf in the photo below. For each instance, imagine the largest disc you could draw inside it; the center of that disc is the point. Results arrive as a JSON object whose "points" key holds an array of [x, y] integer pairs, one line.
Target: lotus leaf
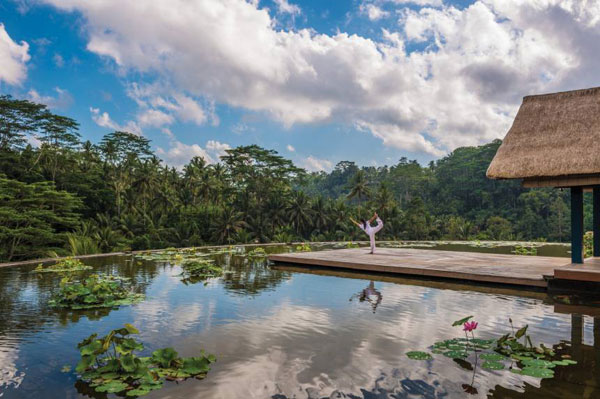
{"points": [[416, 355], [537, 372], [461, 321], [493, 365], [456, 354], [112, 387], [164, 357], [538, 363], [494, 357], [196, 365]]}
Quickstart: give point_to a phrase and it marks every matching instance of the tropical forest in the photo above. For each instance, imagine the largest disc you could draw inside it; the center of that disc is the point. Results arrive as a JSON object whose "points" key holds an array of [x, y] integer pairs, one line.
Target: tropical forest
{"points": [[61, 195]]}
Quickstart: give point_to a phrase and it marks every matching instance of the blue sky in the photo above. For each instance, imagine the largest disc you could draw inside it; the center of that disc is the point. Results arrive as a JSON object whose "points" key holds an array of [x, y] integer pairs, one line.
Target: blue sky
{"points": [[319, 81]]}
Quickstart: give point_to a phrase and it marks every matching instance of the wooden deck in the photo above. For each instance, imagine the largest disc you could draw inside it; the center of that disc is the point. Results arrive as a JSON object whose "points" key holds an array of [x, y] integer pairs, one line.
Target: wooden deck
{"points": [[532, 271], [589, 271]]}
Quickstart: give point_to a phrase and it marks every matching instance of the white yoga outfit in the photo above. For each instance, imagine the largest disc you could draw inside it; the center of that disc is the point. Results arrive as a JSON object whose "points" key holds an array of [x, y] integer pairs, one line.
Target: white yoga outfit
{"points": [[371, 231]]}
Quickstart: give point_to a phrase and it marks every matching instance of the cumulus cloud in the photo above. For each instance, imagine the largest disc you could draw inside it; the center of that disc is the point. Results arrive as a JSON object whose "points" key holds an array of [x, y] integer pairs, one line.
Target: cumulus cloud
{"points": [[373, 12], [178, 153], [290, 148], [313, 164], [13, 59], [62, 100], [284, 7], [103, 119], [163, 105], [461, 87]]}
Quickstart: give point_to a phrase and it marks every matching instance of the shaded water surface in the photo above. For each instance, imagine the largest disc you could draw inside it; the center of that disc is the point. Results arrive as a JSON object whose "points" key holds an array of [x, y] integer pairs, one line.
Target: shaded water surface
{"points": [[291, 332]]}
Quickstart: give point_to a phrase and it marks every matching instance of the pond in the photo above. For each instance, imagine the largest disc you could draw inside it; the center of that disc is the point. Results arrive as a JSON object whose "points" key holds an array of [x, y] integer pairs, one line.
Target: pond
{"points": [[289, 332]]}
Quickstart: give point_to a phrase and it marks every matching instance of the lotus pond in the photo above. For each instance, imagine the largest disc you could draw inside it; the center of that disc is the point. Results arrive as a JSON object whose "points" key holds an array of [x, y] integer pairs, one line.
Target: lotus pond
{"points": [[222, 323]]}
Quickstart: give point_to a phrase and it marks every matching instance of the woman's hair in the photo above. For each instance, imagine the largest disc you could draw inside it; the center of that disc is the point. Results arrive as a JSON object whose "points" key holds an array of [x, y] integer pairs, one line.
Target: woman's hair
{"points": [[364, 223]]}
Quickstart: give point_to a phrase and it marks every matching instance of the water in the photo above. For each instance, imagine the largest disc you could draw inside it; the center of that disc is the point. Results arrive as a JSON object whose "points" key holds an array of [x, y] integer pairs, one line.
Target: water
{"points": [[290, 332]]}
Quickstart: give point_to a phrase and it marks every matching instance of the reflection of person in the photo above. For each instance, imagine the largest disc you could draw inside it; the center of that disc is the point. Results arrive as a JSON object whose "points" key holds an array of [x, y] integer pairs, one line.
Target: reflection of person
{"points": [[368, 293], [365, 225]]}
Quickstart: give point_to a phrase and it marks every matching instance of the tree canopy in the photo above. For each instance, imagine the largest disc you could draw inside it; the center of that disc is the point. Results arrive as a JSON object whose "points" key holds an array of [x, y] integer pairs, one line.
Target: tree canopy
{"points": [[70, 197]]}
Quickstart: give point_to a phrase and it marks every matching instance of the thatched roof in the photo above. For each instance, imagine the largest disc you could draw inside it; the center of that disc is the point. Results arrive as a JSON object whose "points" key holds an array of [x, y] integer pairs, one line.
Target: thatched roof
{"points": [[553, 136]]}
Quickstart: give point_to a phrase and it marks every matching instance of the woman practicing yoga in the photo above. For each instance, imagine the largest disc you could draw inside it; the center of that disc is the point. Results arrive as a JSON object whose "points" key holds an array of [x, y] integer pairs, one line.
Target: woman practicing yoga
{"points": [[371, 231]]}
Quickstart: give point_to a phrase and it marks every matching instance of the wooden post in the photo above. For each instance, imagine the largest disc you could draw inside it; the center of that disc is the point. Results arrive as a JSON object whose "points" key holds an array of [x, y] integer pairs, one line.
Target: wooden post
{"points": [[596, 220], [576, 225]]}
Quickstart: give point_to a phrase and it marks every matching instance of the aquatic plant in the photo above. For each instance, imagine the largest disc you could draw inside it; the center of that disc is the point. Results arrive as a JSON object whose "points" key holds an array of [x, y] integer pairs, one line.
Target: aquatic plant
{"points": [[304, 247], [69, 264], [514, 349], [257, 252], [95, 291], [523, 250], [109, 364], [198, 270]]}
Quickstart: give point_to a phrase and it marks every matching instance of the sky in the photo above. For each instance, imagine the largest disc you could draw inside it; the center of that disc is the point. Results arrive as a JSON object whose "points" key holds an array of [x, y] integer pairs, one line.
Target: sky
{"points": [[319, 81]]}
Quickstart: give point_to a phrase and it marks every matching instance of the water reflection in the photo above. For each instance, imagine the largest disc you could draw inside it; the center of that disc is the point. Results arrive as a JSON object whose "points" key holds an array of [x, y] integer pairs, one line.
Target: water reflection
{"points": [[285, 332], [370, 295]]}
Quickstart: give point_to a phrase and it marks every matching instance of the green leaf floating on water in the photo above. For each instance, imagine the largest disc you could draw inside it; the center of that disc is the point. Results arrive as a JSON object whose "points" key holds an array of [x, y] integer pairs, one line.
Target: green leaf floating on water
{"points": [[494, 357], [456, 354], [564, 362], [197, 365], [112, 387], [537, 372], [164, 357], [538, 363], [461, 321], [417, 355], [493, 365]]}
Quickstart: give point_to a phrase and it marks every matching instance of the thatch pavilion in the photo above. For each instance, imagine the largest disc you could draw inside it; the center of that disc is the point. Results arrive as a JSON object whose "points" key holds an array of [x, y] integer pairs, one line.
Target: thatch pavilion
{"points": [[555, 142]]}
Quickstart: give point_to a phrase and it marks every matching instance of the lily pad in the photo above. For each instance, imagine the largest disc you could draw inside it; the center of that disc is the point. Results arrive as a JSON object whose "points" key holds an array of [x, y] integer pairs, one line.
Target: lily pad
{"points": [[538, 363], [494, 357], [417, 355], [493, 365], [564, 362], [456, 354], [537, 372], [112, 387]]}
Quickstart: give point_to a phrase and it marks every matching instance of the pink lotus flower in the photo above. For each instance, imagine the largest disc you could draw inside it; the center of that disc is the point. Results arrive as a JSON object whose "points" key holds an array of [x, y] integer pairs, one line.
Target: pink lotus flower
{"points": [[470, 326]]}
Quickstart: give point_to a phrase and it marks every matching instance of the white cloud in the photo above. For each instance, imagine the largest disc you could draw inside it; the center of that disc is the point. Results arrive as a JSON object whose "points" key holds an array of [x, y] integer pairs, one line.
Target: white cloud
{"points": [[315, 164], [290, 148], [178, 153], [240, 128], [422, 3], [62, 100], [462, 87], [59, 61], [154, 118], [13, 59], [373, 12], [284, 7], [163, 105], [103, 119]]}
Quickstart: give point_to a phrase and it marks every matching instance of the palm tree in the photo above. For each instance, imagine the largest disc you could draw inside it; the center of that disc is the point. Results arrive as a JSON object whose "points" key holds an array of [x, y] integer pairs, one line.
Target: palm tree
{"points": [[299, 212], [321, 217], [359, 186], [384, 200], [228, 223]]}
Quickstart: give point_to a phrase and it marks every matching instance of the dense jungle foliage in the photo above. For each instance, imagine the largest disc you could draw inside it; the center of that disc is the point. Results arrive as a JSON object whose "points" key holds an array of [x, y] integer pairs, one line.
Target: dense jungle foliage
{"points": [[71, 197]]}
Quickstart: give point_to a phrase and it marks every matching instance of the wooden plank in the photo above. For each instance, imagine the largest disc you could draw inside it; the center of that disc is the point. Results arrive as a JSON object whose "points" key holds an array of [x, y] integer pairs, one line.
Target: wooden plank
{"points": [[588, 271], [468, 266], [587, 181]]}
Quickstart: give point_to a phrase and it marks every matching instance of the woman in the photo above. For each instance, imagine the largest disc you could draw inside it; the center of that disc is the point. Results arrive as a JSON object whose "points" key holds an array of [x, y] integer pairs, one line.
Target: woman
{"points": [[371, 231]]}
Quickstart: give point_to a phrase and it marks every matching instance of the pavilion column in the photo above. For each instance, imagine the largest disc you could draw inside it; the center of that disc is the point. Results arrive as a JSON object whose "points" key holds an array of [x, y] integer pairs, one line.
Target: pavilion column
{"points": [[576, 224], [596, 220]]}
